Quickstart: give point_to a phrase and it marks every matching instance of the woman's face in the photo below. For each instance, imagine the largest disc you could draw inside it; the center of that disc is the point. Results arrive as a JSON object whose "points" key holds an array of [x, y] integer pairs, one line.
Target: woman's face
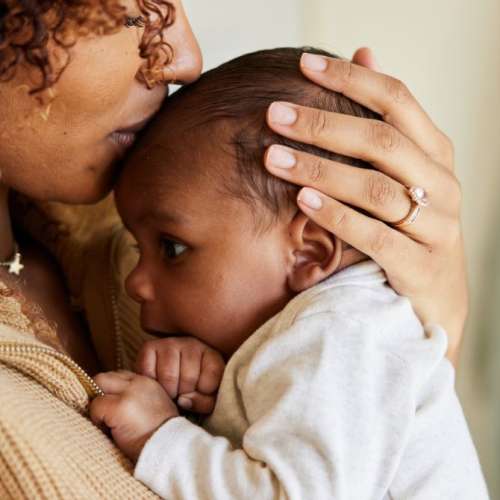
{"points": [[65, 151]]}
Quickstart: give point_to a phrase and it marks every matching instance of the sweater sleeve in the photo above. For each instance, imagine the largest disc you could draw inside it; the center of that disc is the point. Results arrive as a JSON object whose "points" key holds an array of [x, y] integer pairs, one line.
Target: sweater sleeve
{"points": [[330, 408]]}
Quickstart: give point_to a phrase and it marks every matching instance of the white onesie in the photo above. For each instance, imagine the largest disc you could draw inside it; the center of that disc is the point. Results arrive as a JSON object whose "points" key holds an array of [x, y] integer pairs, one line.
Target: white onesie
{"points": [[342, 395]]}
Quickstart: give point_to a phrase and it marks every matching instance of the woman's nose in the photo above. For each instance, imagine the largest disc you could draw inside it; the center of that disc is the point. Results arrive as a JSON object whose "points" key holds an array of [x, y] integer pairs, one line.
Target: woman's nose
{"points": [[188, 61], [139, 286]]}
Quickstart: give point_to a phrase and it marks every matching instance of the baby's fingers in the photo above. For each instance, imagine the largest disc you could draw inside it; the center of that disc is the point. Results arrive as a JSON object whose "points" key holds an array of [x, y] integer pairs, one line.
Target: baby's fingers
{"points": [[212, 369], [197, 403], [103, 409], [190, 364], [168, 371], [145, 363], [113, 382]]}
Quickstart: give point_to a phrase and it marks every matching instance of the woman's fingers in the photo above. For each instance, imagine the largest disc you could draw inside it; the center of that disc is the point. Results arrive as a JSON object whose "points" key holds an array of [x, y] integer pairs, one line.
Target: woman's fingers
{"points": [[365, 57], [369, 190], [373, 141], [388, 247], [385, 95]]}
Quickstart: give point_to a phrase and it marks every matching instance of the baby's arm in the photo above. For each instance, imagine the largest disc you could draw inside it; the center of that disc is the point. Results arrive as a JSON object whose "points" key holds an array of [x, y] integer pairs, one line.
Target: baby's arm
{"points": [[328, 413], [188, 370], [320, 422]]}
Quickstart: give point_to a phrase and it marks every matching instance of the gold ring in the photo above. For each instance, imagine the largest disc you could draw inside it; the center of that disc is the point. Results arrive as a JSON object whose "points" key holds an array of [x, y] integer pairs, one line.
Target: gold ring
{"points": [[419, 200], [411, 217]]}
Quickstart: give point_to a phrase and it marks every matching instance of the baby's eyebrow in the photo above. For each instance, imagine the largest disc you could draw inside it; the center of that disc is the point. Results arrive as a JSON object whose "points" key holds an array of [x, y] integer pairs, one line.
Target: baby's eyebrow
{"points": [[171, 217]]}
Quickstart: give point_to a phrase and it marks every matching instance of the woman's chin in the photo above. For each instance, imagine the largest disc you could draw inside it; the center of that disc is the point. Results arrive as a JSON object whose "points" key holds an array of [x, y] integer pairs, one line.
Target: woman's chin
{"points": [[90, 195], [82, 192], [82, 197]]}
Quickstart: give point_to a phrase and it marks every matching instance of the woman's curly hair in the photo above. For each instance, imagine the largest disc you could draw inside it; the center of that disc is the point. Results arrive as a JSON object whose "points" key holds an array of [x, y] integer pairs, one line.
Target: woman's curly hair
{"points": [[41, 32]]}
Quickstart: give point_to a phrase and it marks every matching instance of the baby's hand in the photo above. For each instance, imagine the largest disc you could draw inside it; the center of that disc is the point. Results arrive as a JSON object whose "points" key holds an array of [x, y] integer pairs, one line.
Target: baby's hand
{"points": [[133, 408], [187, 369]]}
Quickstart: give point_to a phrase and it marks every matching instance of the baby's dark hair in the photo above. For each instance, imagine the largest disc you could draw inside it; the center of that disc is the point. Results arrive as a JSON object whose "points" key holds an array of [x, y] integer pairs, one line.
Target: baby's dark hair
{"points": [[239, 92]]}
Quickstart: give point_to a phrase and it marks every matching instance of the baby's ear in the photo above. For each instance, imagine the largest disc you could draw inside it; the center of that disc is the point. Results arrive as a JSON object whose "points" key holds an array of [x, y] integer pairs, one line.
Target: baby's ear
{"points": [[316, 253]]}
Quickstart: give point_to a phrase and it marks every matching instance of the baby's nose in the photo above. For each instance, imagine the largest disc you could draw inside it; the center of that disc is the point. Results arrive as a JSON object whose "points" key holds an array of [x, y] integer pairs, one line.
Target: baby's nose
{"points": [[139, 286]]}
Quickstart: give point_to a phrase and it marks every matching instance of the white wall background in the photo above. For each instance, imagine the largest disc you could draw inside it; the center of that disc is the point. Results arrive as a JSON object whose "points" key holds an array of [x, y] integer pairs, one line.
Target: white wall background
{"points": [[229, 28], [448, 53]]}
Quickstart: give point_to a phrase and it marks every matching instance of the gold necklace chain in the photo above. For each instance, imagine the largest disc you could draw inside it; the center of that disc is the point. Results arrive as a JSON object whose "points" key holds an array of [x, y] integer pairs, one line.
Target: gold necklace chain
{"points": [[13, 348]]}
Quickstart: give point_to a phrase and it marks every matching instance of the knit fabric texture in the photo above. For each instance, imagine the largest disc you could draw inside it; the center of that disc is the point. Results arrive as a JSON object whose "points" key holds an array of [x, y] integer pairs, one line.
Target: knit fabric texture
{"points": [[49, 448]]}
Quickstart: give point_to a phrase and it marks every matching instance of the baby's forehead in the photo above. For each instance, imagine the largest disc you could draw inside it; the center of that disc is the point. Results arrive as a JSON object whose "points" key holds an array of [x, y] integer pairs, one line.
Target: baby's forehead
{"points": [[173, 152], [174, 166]]}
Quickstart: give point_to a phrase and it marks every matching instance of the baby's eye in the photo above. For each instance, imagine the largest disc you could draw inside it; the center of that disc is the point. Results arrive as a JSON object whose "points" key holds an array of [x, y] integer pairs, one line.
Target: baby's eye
{"points": [[172, 249]]}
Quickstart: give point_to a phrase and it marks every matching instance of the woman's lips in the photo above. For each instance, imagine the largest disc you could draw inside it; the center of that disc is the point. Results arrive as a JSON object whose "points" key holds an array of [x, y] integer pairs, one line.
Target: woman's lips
{"points": [[126, 136]]}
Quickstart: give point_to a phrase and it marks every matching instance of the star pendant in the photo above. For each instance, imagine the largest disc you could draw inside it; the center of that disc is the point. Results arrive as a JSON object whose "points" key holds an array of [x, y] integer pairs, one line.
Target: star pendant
{"points": [[15, 267]]}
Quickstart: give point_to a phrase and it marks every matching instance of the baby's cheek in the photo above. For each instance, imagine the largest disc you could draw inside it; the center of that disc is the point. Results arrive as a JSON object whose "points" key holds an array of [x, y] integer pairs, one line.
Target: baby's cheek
{"points": [[234, 311], [224, 301], [214, 311]]}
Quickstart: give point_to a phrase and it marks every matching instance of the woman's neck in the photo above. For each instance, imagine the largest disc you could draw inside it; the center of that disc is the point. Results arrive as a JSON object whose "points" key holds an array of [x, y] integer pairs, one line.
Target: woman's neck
{"points": [[6, 236]]}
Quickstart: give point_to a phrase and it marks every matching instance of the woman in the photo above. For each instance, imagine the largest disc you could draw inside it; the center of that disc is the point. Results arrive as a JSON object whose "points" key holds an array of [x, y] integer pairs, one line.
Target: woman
{"points": [[79, 79]]}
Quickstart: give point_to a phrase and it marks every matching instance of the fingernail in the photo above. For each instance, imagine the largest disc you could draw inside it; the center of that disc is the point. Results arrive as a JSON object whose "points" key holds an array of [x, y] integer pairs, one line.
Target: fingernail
{"points": [[280, 157], [185, 403], [282, 114], [314, 62], [310, 199]]}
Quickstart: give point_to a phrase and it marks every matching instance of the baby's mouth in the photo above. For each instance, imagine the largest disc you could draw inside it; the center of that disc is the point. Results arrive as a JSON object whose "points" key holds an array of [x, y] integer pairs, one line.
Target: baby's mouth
{"points": [[163, 335]]}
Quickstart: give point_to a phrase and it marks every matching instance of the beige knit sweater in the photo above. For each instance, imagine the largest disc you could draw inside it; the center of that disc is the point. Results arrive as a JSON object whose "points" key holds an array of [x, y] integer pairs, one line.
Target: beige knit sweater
{"points": [[49, 449]]}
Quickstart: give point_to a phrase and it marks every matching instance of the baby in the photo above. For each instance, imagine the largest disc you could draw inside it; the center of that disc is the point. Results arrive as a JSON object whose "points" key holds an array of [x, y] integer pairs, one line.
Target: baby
{"points": [[332, 388]]}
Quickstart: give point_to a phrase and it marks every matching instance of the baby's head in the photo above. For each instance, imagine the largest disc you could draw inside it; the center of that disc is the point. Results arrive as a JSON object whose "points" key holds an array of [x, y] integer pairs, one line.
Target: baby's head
{"points": [[223, 246]]}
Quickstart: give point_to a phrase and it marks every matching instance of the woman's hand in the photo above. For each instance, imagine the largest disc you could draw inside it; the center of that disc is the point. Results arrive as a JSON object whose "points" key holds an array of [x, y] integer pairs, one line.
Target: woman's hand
{"points": [[423, 261]]}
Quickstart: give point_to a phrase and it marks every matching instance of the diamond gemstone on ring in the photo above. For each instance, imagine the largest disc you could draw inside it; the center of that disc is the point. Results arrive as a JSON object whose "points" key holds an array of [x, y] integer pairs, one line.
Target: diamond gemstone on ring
{"points": [[419, 196]]}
